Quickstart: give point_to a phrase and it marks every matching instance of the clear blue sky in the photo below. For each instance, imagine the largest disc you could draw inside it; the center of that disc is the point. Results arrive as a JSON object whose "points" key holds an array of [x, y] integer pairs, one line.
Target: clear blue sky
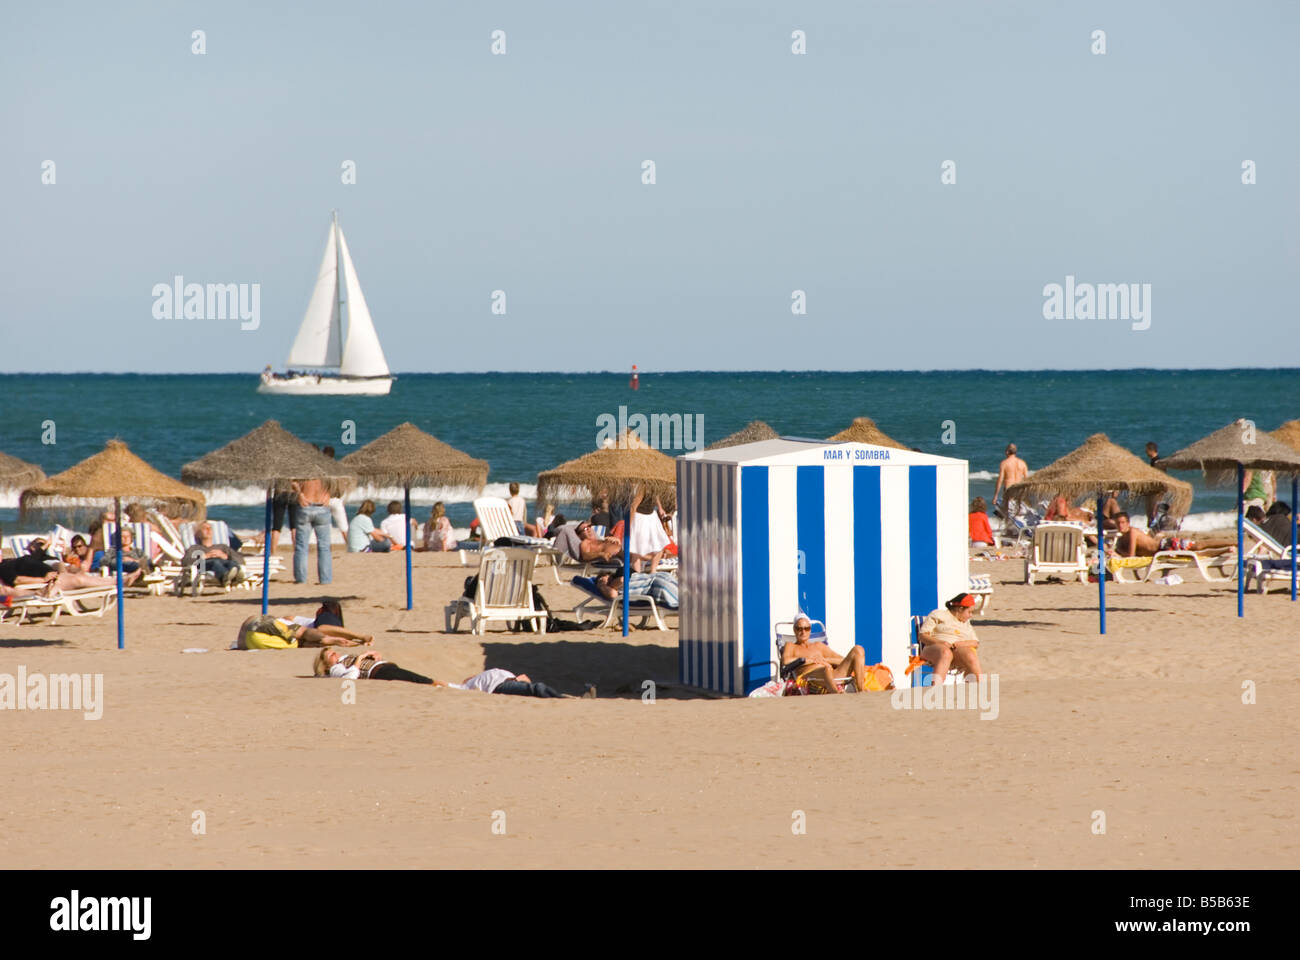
{"points": [[775, 172]]}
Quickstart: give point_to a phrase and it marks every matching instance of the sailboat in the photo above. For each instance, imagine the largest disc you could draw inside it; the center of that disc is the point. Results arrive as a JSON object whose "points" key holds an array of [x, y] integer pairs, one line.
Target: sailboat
{"points": [[358, 358]]}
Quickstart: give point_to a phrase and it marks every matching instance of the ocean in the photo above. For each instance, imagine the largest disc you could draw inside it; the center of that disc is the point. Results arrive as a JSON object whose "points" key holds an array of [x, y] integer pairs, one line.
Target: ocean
{"points": [[523, 423]]}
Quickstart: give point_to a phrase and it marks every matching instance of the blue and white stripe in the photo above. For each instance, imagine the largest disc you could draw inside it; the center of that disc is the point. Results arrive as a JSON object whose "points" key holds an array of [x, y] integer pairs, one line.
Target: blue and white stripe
{"points": [[862, 547]]}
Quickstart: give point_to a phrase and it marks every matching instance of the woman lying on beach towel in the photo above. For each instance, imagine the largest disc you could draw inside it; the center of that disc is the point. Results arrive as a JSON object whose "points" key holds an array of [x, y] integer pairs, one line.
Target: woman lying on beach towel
{"points": [[275, 633], [370, 665]]}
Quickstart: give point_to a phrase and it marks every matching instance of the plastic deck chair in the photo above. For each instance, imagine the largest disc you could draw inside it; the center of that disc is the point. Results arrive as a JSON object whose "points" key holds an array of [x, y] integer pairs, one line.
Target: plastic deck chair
{"points": [[922, 668], [792, 683], [1058, 549], [504, 592]]}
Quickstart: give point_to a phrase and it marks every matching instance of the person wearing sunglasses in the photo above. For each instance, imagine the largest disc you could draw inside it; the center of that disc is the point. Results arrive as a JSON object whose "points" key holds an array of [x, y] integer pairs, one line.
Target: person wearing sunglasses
{"points": [[821, 663]]}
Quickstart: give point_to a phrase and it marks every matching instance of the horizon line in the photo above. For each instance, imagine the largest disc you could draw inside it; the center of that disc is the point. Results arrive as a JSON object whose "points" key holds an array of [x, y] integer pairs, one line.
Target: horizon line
{"points": [[626, 372]]}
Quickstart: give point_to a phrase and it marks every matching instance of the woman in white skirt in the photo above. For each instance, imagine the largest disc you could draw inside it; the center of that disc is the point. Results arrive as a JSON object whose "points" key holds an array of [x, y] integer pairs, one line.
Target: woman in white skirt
{"points": [[648, 540]]}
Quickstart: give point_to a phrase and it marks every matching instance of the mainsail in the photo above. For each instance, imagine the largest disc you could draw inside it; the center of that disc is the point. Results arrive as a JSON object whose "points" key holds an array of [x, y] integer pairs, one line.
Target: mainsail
{"points": [[362, 354], [318, 340]]}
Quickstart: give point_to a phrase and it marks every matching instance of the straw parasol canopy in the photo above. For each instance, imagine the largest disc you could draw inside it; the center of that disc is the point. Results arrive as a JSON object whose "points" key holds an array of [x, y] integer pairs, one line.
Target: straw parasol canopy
{"points": [[751, 433], [406, 456], [1219, 454], [864, 430], [112, 473], [616, 468], [268, 457], [16, 474], [1101, 465], [1288, 433]]}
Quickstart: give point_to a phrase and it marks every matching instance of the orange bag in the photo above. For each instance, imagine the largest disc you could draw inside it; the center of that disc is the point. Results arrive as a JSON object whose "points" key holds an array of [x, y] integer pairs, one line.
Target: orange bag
{"points": [[880, 677]]}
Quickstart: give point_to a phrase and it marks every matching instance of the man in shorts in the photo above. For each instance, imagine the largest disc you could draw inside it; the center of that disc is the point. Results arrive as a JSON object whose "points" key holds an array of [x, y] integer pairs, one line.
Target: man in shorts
{"points": [[1010, 472]]}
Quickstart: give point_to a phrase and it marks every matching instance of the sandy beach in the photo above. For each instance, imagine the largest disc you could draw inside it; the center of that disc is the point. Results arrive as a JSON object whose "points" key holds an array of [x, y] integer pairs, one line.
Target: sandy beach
{"points": [[1146, 724]]}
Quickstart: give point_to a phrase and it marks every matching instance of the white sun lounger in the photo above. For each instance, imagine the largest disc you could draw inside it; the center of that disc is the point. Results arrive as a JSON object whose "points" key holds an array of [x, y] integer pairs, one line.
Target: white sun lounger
{"points": [[496, 522], [504, 592], [639, 604], [1057, 550], [87, 602], [981, 588]]}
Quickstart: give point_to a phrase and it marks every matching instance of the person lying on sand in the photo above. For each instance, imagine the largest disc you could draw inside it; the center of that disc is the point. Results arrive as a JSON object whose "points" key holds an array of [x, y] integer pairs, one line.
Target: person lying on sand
{"points": [[821, 662], [370, 665], [948, 640], [273, 633], [503, 681]]}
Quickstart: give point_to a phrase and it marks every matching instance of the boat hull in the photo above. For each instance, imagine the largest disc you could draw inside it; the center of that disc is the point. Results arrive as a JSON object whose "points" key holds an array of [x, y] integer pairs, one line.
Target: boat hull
{"points": [[311, 385]]}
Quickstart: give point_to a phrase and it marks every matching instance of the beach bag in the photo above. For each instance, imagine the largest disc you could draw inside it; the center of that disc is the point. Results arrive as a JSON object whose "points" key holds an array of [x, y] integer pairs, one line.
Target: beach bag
{"points": [[880, 677], [539, 603]]}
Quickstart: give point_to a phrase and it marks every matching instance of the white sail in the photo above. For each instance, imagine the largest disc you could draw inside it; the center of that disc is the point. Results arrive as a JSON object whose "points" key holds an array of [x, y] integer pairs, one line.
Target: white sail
{"points": [[362, 354], [317, 343]]}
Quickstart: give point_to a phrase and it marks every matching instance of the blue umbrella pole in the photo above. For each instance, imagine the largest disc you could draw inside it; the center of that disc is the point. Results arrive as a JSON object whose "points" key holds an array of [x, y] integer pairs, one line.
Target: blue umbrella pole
{"points": [[266, 555], [1101, 564], [409, 598], [117, 543], [1295, 488], [627, 565], [1241, 539]]}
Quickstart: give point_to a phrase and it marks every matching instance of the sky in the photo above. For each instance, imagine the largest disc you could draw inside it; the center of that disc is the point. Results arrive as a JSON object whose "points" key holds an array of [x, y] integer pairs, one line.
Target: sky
{"points": [[775, 172]]}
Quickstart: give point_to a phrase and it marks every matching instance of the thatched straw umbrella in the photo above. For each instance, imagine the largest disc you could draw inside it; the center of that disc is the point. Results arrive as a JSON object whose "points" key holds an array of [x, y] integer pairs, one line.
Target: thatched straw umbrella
{"points": [[16, 474], [1095, 467], [621, 468], [753, 432], [269, 457], [864, 430], [618, 469], [1288, 433], [1230, 450], [406, 456], [108, 476]]}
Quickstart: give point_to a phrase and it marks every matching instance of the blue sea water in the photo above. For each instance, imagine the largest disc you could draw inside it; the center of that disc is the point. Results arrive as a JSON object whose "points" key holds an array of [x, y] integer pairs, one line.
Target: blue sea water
{"points": [[525, 423]]}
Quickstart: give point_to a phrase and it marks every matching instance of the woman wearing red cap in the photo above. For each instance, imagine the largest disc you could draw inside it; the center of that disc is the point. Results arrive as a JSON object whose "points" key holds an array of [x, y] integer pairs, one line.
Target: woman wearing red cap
{"points": [[948, 640]]}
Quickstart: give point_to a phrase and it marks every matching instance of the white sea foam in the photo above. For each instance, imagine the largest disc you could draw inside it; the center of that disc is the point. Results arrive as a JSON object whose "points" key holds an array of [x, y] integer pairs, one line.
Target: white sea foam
{"points": [[981, 475], [255, 496], [1216, 520]]}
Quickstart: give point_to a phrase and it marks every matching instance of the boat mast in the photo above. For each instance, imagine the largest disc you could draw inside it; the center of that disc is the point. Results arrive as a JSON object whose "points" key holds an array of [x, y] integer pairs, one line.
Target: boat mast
{"points": [[338, 279]]}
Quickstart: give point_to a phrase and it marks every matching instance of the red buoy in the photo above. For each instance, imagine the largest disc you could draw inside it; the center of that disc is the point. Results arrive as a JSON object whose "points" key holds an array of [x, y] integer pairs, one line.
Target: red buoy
{"points": [[635, 382]]}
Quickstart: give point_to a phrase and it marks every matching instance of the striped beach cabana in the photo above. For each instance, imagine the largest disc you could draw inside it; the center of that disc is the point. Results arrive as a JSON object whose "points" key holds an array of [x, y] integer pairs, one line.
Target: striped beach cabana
{"points": [[860, 537]]}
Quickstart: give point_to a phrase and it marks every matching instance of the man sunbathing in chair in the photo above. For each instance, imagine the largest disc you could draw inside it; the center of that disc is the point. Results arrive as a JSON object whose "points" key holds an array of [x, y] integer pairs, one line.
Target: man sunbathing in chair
{"points": [[1134, 543], [592, 548], [821, 663]]}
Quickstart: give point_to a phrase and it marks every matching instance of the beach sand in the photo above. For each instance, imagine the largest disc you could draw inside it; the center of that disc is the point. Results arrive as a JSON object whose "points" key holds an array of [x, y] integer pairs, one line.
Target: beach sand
{"points": [[1146, 724]]}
